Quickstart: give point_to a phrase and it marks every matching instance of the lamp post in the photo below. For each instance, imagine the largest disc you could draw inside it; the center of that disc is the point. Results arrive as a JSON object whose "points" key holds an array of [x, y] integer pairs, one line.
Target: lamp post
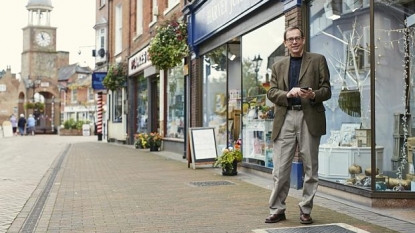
{"points": [[257, 61], [52, 114], [34, 84]]}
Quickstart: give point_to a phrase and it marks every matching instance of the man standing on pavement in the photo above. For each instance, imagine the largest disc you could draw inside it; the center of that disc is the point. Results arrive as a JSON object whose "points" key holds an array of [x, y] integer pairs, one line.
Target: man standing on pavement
{"points": [[299, 85]]}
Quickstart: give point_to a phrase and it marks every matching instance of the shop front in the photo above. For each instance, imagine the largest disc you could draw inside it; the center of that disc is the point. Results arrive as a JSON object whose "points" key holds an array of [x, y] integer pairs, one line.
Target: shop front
{"points": [[369, 46], [143, 95], [234, 44]]}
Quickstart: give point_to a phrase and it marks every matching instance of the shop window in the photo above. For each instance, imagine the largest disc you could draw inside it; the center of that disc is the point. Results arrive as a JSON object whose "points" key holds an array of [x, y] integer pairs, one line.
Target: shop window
{"points": [[260, 50], [175, 103], [142, 104], [345, 152], [214, 94], [117, 116]]}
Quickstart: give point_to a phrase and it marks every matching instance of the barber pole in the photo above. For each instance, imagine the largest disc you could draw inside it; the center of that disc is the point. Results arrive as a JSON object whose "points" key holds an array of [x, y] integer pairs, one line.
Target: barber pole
{"points": [[99, 116]]}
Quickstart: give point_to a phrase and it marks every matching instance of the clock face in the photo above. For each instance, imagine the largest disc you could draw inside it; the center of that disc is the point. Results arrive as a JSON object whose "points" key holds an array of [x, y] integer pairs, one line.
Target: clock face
{"points": [[43, 39]]}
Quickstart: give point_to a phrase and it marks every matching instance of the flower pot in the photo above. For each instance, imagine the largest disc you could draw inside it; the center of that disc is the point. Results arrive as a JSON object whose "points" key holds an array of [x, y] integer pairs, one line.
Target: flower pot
{"points": [[231, 172], [154, 148]]}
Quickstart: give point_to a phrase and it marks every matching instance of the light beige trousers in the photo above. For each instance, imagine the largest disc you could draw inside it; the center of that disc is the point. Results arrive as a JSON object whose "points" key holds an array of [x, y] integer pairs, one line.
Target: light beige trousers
{"points": [[294, 132]]}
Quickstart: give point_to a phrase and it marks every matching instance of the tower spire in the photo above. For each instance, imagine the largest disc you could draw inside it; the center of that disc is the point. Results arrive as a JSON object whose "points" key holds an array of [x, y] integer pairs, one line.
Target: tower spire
{"points": [[39, 12]]}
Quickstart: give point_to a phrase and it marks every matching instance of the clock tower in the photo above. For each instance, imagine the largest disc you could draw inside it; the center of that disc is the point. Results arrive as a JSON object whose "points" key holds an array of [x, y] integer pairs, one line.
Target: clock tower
{"points": [[41, 63], [39, 41]]}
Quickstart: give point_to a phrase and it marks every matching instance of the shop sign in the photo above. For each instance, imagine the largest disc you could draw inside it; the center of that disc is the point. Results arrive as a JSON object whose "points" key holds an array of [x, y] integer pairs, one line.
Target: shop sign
{"points": [[97, 78], [289, 4], [44, 84], [216, 14], [139, 61]]}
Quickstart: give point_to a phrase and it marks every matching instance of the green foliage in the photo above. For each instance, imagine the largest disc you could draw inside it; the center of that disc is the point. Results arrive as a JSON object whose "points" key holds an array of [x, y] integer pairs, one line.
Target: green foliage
{"points": [[69, 124], [226, 159], [29, 105], [40, 106], [72, 124], [154, 139], [141, 140], [116, 76], [169, 45]]}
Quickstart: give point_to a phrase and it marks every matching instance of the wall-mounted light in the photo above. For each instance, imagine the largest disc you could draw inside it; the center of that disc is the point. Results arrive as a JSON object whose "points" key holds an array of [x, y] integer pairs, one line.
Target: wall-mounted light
{"points": [[354, 4], [333, 9], [229, 55]]}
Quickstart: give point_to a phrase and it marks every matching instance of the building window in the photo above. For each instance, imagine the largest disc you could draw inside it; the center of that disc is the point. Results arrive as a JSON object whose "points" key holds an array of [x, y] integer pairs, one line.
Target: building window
{"points": [[102, 38], [81, 76], [175, 100], [140, 10], [170, 5], [2, 87], [74, 95], [118, 29], [91, 95], [102, 3], [155, 11], [117, 116]]}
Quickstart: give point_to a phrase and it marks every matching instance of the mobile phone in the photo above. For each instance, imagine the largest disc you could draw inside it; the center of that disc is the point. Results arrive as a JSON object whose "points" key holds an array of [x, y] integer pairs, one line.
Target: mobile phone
{"points": [[304, 88]]}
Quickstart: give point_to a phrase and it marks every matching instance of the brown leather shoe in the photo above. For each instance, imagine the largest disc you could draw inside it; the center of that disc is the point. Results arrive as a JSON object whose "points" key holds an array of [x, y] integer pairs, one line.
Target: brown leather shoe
{"points": [[305, 218], [273, 218]]}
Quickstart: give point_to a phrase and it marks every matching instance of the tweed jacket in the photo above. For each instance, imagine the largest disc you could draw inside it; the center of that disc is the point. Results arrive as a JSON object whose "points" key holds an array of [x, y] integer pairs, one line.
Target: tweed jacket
{"points": [[314, 73]]}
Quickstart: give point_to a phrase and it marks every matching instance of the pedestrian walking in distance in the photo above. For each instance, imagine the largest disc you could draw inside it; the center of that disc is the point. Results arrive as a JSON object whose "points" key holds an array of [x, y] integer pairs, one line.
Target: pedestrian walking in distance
{"points": [[21, 124]]}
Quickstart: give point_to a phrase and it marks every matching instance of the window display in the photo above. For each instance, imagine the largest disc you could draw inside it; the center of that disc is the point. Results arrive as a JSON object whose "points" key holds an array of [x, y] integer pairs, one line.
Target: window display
{"points": [[175, 100], [214, 93], [117, 116], [261, 48], [142, 105], [345, 41]]}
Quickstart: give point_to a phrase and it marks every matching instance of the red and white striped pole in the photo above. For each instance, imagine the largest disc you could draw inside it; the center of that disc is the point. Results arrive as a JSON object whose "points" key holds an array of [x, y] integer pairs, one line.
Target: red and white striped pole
{"points": [[99, 116]]}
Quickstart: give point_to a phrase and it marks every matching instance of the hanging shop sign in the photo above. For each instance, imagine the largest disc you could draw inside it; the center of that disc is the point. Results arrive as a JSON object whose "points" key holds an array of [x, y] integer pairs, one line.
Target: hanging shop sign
{"points": [[97, 78], [139, 61]]}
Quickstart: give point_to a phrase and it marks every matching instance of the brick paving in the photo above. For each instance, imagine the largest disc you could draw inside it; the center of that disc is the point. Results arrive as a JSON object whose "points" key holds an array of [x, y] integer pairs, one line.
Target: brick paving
{"points": [[102, 187]]}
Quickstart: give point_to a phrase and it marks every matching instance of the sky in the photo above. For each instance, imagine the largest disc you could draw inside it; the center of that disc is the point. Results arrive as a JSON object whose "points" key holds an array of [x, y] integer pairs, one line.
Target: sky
{"points": [[74, 20]]}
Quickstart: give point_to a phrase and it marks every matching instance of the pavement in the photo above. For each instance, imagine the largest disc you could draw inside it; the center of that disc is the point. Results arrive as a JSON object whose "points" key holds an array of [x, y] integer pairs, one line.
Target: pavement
{"points": [[51, 183]]}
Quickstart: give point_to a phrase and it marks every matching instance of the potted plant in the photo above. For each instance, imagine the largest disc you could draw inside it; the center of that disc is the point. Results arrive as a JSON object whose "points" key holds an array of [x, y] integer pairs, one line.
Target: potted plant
{"points": [[141, 141], [228, 161], [154, 140], [116, 76], [169, 45]]}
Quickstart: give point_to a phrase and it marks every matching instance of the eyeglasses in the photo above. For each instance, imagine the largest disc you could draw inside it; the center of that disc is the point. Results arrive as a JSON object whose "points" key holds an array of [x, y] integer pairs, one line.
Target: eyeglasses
{"points": [[292, 39]]}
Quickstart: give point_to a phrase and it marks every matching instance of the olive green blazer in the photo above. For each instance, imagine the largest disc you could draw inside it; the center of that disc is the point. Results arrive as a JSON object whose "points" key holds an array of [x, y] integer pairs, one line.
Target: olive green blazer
{"points": [[314, 73]]}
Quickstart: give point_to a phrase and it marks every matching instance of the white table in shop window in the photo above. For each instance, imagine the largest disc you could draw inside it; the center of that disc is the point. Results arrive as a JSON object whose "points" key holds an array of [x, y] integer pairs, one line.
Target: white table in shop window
{"points": [[334, 161]]}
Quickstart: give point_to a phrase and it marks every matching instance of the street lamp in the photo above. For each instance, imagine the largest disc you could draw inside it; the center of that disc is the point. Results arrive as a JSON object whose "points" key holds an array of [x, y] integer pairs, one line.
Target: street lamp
{"points": [[34, 84], [257, 61]]}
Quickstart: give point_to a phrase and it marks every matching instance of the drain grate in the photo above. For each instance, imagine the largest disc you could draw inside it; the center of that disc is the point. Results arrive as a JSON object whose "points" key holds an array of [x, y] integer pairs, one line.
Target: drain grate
{"points": [[329, 228], [210, 183]]}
